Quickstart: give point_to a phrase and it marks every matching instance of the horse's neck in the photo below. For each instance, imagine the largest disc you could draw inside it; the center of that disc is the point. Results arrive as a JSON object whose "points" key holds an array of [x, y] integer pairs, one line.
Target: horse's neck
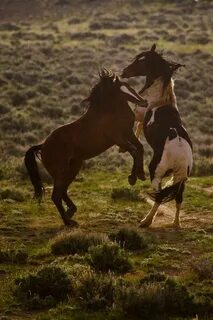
{"points": [[156, 95]]}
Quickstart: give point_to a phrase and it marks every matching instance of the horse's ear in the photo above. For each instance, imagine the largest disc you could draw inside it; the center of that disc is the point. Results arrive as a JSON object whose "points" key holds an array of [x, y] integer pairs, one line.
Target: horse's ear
{"points": [[153, 47], [176, 66]]}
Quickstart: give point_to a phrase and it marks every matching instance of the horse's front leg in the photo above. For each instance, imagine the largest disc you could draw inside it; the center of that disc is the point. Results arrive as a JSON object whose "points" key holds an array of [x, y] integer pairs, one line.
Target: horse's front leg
{"points": [[139, 163], [132, 149]]}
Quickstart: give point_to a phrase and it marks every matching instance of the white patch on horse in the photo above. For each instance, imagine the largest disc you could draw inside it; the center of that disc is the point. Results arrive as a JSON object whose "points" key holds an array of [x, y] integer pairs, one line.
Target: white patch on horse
{"points": [[177, 156], [157, 96], [126, 90], [152, 119]]}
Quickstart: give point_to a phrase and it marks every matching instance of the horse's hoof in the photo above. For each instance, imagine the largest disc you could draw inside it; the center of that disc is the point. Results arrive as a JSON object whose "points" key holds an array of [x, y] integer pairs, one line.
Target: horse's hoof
{"points": [[141, 176], [145, 223], [132, 180], [70, 212], [176, 226], [71, 223]]}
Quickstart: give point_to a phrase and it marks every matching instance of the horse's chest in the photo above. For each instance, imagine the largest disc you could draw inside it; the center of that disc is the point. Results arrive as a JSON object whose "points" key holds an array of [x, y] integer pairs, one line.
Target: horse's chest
{"points": [[153, 130], [125, 118]]}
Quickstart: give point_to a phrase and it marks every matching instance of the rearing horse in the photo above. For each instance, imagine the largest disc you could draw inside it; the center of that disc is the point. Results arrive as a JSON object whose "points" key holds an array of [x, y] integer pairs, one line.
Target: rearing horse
{"points": [[108, 121], [163, 129]]}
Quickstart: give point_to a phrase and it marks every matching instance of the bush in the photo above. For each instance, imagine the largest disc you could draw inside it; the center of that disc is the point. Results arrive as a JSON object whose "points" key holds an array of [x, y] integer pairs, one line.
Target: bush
{"points": [[96, 291], [76, 242], [13, 256], [109, 257], [11, 194], [203, 268], [154, 300], [154, 277], [203, 167], [48, 287], [18, 99], [145, 302], [129, 239], [177, 299], [203, 303], [126, 194]]}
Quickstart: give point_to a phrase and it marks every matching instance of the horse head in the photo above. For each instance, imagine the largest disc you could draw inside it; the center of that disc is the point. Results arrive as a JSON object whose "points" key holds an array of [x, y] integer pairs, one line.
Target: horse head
{"points": [[111, 89], [150, 64]]}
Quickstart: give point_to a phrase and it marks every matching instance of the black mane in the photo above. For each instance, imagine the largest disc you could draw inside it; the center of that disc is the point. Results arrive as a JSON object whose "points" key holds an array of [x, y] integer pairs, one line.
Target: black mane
{"points": [[100, 92], [158, 66]]}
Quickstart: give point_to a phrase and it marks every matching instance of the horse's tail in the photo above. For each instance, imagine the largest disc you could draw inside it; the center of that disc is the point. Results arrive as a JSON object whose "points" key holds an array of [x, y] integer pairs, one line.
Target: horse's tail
{"points": [[167, 194], [32, 169]]}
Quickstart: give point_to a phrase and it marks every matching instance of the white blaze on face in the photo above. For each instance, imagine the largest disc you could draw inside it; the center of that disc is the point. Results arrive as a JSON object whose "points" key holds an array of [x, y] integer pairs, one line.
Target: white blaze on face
{"points": [[126, 90]]}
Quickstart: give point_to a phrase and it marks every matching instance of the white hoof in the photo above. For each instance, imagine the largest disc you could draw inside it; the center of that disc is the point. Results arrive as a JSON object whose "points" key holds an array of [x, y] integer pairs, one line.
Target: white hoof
{"points": [[145, 223]]}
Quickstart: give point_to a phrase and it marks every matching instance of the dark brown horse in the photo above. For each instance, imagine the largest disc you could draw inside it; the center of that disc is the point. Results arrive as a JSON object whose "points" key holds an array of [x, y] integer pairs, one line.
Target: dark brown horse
{"points": [[108, 121], [163, 129]]}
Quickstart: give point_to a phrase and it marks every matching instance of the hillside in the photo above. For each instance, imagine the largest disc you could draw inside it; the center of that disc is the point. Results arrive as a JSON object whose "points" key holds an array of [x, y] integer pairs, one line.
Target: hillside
{"points": [[51, 52]]}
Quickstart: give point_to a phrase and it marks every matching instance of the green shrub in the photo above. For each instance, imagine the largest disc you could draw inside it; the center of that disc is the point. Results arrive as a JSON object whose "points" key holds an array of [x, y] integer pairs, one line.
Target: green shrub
{"points": [[203, 268], [203, 304], [76, 242], [154, 300], [13, 256], [203, 167], [96, 291], [109, 257], [11, 194], [177, 299], [154, 277], [126, 194], [129, 239], [145, 302], [48, 287]]}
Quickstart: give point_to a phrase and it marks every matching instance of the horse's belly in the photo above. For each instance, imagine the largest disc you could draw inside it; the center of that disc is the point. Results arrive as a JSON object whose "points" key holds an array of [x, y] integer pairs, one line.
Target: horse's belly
{"points": [[178, 155]]}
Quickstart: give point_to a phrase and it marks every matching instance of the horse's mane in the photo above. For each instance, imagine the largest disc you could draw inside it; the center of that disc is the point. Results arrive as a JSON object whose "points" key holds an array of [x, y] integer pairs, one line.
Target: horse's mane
{"points": [[99, 93]]}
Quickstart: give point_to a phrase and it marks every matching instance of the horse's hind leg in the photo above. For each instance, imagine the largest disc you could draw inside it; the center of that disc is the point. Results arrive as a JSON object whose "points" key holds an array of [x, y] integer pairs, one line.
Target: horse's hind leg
{"points": [[179, 200], [70, 205], [147, 221], [75, 166], [60, 191]]}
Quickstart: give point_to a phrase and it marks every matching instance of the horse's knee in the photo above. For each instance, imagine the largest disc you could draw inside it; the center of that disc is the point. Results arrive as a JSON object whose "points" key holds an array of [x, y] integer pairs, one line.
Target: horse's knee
{"points": [[56, 197]]}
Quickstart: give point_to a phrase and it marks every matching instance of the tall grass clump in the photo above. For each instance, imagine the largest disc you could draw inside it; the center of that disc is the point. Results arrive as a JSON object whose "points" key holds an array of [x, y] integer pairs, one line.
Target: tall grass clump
{"points": [[129, 239], [109, 257], [154, 300], [95, 291], [203, 167], [46, 288], [76, 242], [125, 194]]}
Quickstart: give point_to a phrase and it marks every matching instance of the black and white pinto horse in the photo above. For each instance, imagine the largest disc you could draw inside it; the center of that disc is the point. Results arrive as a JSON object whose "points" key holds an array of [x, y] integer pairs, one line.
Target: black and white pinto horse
{"points": [[163, 130]]}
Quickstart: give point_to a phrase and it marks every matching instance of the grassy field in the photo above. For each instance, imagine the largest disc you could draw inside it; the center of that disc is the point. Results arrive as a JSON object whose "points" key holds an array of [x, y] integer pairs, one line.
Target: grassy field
{"points": [[50, 55], [27, 231]]}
